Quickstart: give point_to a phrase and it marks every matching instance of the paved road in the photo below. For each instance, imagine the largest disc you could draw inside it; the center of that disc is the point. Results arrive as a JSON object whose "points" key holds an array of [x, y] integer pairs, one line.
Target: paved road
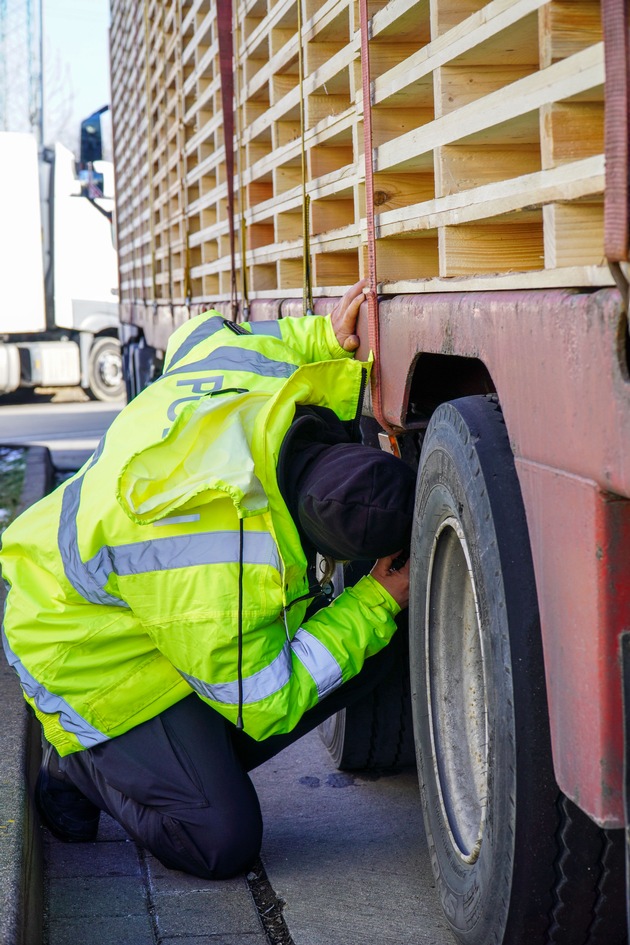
{"points": [[69, 425], [346, 853]]}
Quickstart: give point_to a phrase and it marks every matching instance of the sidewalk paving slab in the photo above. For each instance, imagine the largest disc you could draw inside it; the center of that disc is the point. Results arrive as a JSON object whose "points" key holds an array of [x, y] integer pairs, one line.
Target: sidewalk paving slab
{"points": [[112, 891]]}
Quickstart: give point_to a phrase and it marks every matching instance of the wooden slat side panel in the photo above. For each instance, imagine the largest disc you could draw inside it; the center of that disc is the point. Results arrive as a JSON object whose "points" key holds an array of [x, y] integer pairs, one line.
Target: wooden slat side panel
{"points": [[129, 116], [488, 138]]}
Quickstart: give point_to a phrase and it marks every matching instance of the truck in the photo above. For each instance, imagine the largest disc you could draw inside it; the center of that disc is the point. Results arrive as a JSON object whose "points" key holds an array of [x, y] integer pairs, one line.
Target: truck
{"points": [[470, 159], [59, 310]]}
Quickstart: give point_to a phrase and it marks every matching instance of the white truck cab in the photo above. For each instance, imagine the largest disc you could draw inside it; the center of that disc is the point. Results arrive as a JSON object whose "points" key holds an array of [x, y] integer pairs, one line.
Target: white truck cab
{"points": [[58, 271]]}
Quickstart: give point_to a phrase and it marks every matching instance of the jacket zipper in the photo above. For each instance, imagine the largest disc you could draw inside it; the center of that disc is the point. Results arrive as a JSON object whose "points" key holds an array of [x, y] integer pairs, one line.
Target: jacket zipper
{"points": [[356, 423]]}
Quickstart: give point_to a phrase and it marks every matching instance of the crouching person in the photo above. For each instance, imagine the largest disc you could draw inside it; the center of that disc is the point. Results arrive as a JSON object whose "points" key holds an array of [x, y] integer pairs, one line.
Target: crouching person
{"points": [[157, 600]]}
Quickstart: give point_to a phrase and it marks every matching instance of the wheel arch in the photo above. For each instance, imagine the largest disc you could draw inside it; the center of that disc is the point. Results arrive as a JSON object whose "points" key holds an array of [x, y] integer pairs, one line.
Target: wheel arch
{"points": [[437, 378]]}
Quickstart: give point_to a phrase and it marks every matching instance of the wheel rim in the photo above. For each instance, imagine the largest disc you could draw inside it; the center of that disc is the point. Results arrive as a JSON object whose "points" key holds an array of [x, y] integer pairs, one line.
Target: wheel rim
{"points": [[110, 369], [456, 690]]}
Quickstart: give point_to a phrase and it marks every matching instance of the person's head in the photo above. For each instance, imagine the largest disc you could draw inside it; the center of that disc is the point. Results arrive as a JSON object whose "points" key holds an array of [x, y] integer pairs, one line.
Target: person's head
{"points": [[353, 502]]}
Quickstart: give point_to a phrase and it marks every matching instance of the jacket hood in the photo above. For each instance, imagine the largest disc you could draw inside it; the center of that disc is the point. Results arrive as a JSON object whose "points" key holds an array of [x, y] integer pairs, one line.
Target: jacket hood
{"points": [[206, 452], [354, 502]]}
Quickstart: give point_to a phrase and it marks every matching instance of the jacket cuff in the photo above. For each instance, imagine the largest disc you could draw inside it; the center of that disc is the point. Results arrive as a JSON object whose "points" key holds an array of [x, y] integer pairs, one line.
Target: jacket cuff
{"points": [[372, 592]]}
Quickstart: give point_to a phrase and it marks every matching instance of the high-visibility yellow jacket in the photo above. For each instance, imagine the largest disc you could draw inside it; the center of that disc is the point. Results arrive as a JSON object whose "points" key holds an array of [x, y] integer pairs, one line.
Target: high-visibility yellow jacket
{"points": [[129, 582]]}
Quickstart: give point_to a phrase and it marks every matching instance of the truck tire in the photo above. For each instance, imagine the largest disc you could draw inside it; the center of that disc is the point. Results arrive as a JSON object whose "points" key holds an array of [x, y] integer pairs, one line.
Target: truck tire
{"points": [[105, 373], [515, 862], [375, 732]]}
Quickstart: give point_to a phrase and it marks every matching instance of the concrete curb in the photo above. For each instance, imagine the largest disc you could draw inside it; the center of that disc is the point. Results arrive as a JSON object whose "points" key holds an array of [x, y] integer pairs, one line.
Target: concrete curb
{"points": [[21, 888]]}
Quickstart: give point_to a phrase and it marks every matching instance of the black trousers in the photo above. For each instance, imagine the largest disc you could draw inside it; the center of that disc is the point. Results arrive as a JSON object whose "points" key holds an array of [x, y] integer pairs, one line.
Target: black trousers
{"points": [[178, 783]]}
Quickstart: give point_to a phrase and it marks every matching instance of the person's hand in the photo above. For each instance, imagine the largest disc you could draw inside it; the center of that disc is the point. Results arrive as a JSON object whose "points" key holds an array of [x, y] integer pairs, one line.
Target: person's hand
{"points": [[345, 313], [396, 582]]}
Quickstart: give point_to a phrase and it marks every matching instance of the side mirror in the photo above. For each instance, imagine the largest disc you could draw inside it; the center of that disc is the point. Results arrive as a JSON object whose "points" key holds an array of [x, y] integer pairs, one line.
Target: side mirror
{"points": [[91, 139]]}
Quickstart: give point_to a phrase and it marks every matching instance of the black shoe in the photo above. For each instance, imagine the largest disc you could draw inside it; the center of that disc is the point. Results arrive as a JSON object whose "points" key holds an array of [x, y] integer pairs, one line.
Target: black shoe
{"points": [[67, 813]]}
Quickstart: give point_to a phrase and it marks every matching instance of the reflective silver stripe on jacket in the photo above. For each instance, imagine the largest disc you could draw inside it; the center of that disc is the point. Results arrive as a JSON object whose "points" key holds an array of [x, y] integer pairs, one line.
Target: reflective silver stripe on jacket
{"points": [[266, 328], [310, 651], [85, 582], [255, 687], [205, 330], [318, 660], [237, 359], [48, 702], [76, 570], [182, 551], [89, 578]]}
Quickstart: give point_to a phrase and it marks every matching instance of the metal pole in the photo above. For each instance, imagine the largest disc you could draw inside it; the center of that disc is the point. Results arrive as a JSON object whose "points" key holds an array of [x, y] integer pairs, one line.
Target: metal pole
{"points": [[40, 83]]}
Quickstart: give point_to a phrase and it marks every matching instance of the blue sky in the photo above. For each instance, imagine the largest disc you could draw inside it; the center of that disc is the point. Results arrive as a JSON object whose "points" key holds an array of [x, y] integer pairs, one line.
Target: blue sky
{"points": [[76, 41]]}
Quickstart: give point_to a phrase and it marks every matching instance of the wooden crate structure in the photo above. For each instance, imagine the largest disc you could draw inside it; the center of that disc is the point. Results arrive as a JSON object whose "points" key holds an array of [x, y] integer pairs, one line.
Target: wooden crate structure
{"points": [[487, 146]]}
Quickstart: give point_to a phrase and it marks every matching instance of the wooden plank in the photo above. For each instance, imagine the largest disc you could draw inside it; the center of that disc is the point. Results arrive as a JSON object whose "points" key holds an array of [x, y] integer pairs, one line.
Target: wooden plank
{"points": [[290, 274], [326, 105], [263, 278], [569, 277], [565, 78], [475, 32], [260, 33], [253, 109], [258, 192], [287, 56], [289, 226], [445, 14], [567, 27], [338, 125], [574, 234], [328, 158], [506, 244], [279, 86], [390, 124], [385, 56], [251, 15], [571, 131], [417, 94], [329, 214], [407, 258], [210, 287], [336, 268], [325, 19], [286, 178], [404, 20], [318, 54], [338, 182], [570, 181], [465, 167], [393, 191], [279, 38], [458, 85], [289, 104]]}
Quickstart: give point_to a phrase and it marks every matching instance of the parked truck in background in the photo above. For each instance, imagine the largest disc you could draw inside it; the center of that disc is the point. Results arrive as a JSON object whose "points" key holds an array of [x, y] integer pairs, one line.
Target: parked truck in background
{"points": [[471, 159], [58, 268]]}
